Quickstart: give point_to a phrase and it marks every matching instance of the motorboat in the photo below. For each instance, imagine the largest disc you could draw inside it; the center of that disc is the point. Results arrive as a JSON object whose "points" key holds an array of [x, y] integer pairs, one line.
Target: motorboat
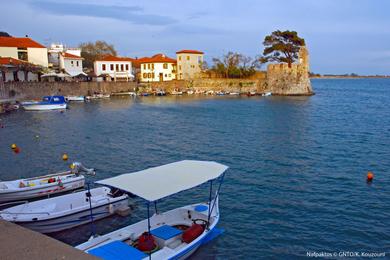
{"points": [[190, 92], [97, 96], [160, 93], [125, 93], [176, 92], [251, 93], [209, 92], [66, 211], [267, 94], [75, 98], [234, 93], [47, 103], [43, 186], [220, 93], [174, 234]]}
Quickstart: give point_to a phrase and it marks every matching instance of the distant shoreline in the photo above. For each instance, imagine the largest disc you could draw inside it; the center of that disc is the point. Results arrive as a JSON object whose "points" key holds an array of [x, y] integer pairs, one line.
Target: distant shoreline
{"points": [[350, 77]]}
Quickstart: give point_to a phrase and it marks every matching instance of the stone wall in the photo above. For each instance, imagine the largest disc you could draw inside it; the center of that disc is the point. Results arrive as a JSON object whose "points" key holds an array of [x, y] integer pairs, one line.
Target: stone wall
{"points": [[35, 90]]}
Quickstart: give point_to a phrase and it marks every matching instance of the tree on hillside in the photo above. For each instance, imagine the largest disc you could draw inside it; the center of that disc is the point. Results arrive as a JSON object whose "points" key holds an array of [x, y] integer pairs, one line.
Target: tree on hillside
{"points": [[91, 51], [234, 65], [282, 47], [4, 34]]}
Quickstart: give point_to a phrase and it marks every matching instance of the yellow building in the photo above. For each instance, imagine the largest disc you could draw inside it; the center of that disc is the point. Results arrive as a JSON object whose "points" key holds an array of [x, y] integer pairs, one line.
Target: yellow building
{"points": [[189, 64]]}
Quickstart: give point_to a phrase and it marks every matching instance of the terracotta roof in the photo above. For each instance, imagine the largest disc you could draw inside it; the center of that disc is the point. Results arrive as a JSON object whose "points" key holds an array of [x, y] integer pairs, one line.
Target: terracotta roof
{"points": [[19, 42], [11, 61], [114, 58], [190, 51], [158, 58], [71, 56]]}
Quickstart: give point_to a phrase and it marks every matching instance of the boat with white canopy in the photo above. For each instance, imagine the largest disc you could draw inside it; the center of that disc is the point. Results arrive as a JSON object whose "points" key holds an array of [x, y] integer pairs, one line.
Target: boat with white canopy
{"points": [[45, 185], [174, 234], [66, 211]]}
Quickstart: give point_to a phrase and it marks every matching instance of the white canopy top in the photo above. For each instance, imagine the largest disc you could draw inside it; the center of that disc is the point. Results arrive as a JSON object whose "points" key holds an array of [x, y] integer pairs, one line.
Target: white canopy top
{"points": [[159, 182]]}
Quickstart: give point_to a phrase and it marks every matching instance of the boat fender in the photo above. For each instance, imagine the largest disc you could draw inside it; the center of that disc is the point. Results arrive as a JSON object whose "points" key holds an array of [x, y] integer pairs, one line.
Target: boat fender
{"points": [[111, 209], [146, 242], [192, 233]]}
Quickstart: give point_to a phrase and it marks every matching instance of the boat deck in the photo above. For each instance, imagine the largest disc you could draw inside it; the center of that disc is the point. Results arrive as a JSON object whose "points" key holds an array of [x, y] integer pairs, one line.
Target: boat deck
{"points": [[21, 243]]}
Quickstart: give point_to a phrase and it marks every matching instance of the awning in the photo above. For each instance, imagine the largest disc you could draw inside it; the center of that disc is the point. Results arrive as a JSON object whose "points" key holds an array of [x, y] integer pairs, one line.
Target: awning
{"points": [[159, 182]]}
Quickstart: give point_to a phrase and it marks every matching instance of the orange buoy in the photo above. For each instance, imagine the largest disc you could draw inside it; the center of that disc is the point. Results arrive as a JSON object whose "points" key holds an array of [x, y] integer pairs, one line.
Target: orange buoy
{"points": [[13, 146], [370, 177], [65, 157]]}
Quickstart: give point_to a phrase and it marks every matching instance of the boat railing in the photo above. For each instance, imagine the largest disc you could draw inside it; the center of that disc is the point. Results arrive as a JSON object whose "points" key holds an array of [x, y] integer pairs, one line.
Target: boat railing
{"points": [[14, 202], [24, 213]]}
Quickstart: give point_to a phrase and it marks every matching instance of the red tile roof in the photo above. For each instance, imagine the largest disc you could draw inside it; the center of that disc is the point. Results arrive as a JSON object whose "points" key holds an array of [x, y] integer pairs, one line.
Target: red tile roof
{"points": [[114, 58], [71, 56], [158, 58], [19, 42], [190, 51], [11, 61]]}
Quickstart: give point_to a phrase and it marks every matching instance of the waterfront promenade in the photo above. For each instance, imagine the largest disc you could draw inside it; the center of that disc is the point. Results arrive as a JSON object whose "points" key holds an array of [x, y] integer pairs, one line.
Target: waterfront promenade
{"points": [[21, 243]]}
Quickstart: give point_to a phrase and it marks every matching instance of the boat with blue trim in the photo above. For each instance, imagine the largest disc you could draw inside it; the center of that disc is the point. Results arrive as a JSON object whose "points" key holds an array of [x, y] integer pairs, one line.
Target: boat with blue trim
{"points": [[174, 234], [47, 103]]}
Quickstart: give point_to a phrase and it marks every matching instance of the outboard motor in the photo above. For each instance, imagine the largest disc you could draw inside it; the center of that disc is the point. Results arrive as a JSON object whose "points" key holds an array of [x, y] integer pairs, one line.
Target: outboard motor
{"points": [[78, 167]]}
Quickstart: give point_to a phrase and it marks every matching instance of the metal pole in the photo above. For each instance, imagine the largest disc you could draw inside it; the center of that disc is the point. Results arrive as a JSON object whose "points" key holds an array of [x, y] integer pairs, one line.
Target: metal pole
{"points": [[150, 253], [217, 193], [209, 213], [155, 207], [90, 210]]}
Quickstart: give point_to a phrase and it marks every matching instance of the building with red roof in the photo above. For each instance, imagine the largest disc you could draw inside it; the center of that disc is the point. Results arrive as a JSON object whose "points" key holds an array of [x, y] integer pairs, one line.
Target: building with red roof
{"points": [[157, 68], [189, 64], [18, 70], [71, 64], [116, 68], [25, 49]]}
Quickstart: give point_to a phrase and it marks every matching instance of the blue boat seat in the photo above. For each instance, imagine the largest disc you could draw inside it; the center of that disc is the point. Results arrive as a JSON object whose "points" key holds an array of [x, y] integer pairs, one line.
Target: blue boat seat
{"points": [[166, 232], [117, 250], [201, 208]]}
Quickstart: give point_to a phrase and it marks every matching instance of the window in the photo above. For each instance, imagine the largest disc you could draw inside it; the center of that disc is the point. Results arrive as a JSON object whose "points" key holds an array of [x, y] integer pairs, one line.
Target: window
{"points": [[169, 75], [77, 63], [144, 66], [188, 57], [103, 67], [200, 59], [152, 66], [153, 75], [166, 75], [165, 66], [22, 54], [116, 67], [179, 57], [71, 62], [179, 67], [127, 66], [148, 66], [111, 66], [145, 76], [122, 67]]}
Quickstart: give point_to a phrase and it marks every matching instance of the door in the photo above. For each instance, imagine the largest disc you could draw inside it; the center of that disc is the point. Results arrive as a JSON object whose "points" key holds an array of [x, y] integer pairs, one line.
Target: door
{"points": [[161, 77]]}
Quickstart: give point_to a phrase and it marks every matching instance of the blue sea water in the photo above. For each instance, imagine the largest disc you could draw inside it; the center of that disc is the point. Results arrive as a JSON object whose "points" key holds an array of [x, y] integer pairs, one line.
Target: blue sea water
{"points": [[296, 182]]}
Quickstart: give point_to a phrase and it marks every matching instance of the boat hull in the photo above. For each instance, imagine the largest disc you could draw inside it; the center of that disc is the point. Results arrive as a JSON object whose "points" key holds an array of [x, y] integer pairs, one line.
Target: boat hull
{"points": [[36, 192], [38, 107], [75, 98], [74, 219]]}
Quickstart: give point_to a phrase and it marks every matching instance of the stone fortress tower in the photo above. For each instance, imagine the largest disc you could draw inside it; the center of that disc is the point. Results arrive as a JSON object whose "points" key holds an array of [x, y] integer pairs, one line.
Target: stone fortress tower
{"points": [[282, 80]]}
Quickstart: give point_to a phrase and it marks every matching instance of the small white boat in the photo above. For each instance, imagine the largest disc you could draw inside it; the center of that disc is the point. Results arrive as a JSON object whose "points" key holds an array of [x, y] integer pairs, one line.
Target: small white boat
{"points": [[190, 92], [126, 93], [234, 93], [75, 98], [267, 94], [209, 92], [66, 211], [97, 96], [174, 234], [29, 102], [47, 103], [220, 93], [176, 92], [43, 186]]}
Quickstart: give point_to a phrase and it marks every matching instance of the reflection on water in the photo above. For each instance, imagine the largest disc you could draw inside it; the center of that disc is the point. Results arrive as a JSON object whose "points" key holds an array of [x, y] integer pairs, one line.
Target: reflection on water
{"points": [[296, 181]]}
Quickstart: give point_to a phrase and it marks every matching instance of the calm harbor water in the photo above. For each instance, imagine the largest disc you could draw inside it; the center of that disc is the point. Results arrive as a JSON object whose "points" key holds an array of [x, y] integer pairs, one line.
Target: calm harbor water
{"points": [[296, 182]]}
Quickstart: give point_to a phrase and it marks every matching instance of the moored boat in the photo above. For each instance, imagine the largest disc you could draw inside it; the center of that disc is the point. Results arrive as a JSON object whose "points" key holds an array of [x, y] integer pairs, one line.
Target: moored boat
{"points": [[125, 93], [174, 234], [267, 94], [45, 185], [47, 103], [75, 98], [66, 211], [176, 92]]}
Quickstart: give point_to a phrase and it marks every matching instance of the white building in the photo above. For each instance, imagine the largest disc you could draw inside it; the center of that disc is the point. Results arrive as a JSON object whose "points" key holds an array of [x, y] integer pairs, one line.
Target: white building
{"points": [[54, 53], [24, 49], [117, 68], [71, 64], [157, 68], [189, 64]]}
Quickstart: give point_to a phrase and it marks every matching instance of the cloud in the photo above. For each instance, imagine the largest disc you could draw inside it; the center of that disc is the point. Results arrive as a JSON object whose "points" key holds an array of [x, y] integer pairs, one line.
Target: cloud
{"points": [[133, 14]]}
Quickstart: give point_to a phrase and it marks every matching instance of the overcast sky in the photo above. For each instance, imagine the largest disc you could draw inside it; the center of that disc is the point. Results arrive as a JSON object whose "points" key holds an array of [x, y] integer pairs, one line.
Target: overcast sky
{"points": [[343, 36]]}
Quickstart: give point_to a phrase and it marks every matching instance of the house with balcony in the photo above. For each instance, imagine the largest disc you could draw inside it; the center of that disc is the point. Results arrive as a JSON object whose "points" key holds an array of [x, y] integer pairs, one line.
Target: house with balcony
{"points": [[157, 68], [24, 49], [114, 68], [189, 64]]}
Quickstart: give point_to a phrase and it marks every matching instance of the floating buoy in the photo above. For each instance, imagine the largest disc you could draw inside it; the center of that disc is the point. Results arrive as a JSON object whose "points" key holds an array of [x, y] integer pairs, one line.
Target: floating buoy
{"points": [[370, 177], [17, 150], [13, 146], [72, 166], [37, 136], [65, 157]]}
